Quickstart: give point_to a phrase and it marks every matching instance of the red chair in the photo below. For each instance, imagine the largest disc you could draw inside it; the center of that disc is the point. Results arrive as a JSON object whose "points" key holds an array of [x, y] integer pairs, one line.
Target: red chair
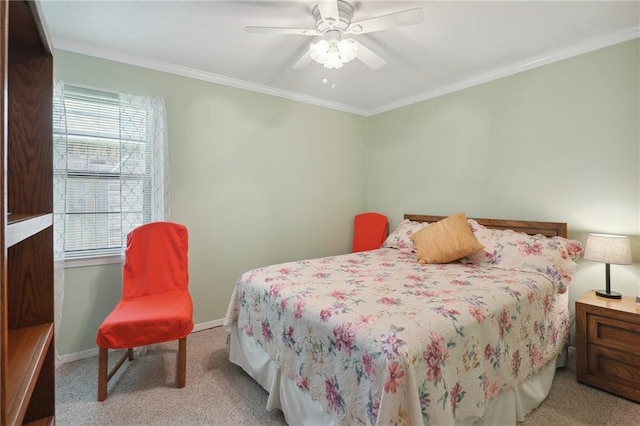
{"points": [[155, 306], [369, 231]]}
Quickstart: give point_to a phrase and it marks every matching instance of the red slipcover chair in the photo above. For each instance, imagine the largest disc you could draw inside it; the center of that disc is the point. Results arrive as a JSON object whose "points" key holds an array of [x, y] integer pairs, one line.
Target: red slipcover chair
{"points": [[369, 231], [155, 306]]}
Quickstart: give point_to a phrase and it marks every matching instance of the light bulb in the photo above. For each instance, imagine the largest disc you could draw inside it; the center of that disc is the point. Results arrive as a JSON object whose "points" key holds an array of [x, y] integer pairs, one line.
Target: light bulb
{"points": [[318, 51], [348, 49]]}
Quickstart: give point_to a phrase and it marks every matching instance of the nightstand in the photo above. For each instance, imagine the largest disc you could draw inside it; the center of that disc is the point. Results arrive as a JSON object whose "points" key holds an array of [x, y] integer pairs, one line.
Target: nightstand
{"points": [[608, 344]]}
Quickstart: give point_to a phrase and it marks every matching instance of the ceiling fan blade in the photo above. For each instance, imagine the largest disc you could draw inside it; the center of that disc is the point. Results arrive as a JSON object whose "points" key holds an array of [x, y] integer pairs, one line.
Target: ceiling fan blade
{"points": [[303, 62], [280, 30], [369, 58], [384, 22], [329, 10]]}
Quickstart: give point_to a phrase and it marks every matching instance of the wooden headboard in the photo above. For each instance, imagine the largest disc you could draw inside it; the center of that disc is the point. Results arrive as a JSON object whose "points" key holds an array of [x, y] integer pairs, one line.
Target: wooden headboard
{"points": [[549, 229]]}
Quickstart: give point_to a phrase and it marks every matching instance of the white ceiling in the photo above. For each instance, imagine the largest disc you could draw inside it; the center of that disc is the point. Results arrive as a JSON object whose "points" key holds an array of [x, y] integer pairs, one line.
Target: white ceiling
{"points": [[459, 44]]}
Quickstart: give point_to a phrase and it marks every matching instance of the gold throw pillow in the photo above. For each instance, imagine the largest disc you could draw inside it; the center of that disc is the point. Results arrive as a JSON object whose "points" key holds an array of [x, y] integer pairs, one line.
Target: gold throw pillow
{"points": [[447, 240]]}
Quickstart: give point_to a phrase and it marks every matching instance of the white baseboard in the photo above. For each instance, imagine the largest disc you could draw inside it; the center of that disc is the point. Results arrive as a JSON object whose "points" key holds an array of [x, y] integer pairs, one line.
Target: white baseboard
{"points": [[207, 325], [77, 356], [62, 359]]}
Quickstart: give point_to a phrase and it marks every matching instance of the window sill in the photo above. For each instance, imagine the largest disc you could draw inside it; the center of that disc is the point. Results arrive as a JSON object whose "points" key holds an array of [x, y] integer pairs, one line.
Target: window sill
{"points": [[92, 261]]}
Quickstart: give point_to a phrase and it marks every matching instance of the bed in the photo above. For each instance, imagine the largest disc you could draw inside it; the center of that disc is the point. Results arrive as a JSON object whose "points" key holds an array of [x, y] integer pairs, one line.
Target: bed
{"points": [[376, 337]]}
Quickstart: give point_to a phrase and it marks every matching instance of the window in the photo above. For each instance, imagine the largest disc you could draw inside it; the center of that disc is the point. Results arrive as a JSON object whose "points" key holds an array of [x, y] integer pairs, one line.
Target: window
{"points": [[109, 163]]}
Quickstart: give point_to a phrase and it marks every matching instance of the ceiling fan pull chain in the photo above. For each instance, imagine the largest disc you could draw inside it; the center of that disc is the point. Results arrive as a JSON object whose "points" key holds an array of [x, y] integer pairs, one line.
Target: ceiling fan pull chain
{"points": [[325, 80]]}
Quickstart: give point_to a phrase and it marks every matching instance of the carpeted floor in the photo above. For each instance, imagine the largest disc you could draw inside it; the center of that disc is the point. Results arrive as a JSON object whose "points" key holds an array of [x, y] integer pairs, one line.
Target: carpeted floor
{"points": [[219, 393]]}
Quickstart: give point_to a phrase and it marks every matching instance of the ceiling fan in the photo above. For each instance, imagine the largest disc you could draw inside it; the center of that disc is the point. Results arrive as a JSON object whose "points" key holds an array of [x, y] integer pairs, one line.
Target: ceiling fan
{"points": [[332, 23]]}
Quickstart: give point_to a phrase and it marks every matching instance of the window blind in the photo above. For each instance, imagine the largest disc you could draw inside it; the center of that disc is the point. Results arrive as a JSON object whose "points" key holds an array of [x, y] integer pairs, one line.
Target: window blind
{"points": [[103, 164]]}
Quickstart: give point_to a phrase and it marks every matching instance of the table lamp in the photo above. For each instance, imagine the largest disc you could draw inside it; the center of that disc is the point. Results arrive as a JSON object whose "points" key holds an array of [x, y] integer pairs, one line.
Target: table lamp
{"points": [[608, 249]]}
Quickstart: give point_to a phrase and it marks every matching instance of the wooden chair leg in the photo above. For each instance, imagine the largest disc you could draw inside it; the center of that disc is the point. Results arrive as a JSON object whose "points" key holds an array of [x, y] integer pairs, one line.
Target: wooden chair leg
{"points": [[103, 364], [181, 372], [104, 375]]}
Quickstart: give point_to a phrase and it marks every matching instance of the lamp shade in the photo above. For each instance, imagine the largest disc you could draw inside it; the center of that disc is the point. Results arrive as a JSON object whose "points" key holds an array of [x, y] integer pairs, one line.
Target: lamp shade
{"points": [[604, 248]]}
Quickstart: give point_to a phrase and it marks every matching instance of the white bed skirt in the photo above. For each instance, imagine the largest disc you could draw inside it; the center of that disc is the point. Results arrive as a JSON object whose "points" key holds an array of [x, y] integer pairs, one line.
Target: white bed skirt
{"points": [[300, 409]]}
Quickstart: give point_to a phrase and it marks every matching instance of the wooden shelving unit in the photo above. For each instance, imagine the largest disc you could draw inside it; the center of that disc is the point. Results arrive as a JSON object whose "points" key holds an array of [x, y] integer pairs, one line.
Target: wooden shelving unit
{"points": [[27, 370]]}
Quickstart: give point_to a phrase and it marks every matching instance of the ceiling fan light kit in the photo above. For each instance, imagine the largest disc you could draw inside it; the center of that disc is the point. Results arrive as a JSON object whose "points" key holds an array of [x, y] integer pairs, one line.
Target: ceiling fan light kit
{"points": [[332, 21], [333, 53]]}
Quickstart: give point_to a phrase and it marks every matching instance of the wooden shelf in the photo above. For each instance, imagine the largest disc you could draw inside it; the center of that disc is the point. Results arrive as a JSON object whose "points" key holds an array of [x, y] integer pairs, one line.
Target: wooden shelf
{"points": [[21, 226], [27, 349]]}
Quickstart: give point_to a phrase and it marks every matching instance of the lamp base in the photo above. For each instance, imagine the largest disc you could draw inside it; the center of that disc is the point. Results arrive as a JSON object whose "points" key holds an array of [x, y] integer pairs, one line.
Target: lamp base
{"points": [[609, 294]]}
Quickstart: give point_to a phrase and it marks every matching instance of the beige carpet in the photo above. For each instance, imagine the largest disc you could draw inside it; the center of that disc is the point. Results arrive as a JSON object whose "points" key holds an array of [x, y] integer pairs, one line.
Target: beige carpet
{"points": [[219, 393]]}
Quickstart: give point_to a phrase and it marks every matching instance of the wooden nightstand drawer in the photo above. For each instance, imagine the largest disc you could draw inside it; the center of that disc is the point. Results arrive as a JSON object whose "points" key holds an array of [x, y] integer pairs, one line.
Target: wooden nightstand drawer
{"points": [[614, 366], [614, 333]]}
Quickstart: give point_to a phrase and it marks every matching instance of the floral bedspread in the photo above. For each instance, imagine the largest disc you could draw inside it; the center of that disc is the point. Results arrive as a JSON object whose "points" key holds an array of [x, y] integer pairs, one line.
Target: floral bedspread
{"points": [[379, 339]]}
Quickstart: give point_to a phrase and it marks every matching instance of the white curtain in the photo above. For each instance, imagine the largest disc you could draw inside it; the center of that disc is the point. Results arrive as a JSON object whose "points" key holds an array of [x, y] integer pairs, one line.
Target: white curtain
{"points": [[157, 125], [59, 190], [156, 137]]}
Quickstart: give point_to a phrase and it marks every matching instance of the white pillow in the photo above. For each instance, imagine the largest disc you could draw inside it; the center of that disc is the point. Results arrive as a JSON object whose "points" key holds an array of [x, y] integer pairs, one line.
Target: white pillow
{"points": [[400, 238]]}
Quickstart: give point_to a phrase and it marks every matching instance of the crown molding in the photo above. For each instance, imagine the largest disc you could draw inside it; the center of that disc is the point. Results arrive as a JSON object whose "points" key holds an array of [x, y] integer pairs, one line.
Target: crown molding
{"points": [[144, 62], [555, 56]]}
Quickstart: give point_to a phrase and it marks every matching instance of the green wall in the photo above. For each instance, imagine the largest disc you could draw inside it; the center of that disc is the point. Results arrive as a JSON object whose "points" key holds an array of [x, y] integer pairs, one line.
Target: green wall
{"points": [[257, 180], [557, 143], [260, 179]]}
